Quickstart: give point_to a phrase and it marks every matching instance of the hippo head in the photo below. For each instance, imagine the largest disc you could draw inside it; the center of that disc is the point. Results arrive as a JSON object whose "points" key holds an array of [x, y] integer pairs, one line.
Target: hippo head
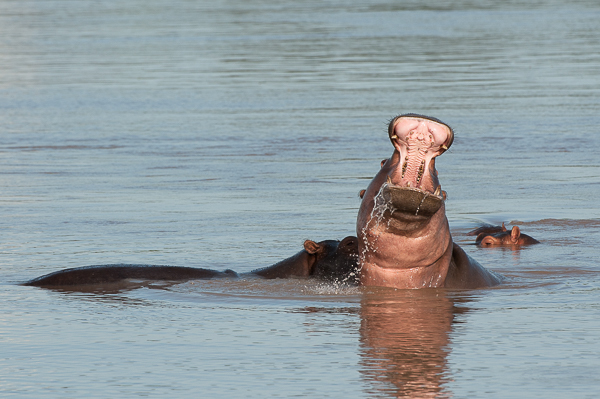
{"points": [[496, 236], [335, 260]]}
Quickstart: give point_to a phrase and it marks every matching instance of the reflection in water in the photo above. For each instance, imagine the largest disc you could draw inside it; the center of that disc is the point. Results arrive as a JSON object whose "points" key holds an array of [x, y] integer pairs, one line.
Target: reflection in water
{"points": [[405, 337]]}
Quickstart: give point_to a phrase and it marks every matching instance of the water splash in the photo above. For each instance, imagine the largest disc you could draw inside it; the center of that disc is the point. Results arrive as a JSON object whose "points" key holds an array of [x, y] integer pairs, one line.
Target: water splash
{"points": [[380, 207], [332, 288], [422, 200]]}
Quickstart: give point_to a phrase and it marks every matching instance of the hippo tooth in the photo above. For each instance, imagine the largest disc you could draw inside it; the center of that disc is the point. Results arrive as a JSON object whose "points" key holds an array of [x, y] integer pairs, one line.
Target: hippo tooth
{"points": [[443, 147], [394, 137], [438, 190], [421, 171]]}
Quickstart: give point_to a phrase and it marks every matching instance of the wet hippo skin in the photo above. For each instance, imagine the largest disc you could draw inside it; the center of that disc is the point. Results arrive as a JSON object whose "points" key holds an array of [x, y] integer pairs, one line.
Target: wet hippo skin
{"points": [[403, 234], [327, 260]]}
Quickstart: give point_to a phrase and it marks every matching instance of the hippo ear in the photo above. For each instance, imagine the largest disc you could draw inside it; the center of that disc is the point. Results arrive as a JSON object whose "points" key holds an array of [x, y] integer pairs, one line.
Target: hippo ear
{"points": [[311, 247], [503, 227], [515, 234]]}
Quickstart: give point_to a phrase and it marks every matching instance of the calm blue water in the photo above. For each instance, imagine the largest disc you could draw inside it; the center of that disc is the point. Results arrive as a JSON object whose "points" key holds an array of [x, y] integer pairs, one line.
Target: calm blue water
{"points": [[223, 134]]}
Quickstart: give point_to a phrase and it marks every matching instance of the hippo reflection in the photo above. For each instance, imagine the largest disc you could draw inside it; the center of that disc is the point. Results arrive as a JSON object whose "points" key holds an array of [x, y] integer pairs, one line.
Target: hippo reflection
{"points": [[404, 338], [405, 341]]}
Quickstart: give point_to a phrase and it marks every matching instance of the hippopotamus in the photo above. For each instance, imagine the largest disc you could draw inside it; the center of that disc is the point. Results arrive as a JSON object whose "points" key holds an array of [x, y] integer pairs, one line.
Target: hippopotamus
{"points": [[404, 239], [329, 260], [491, 236]]}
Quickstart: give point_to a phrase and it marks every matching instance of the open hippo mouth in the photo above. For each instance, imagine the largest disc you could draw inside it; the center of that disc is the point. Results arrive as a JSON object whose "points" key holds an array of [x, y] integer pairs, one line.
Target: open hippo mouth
{"points": [[412, 184]]}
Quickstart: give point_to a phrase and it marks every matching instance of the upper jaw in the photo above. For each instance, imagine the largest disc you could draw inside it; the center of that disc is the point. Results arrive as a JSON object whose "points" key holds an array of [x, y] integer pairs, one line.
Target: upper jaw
{"points": [[418, 140], [436, 124]]}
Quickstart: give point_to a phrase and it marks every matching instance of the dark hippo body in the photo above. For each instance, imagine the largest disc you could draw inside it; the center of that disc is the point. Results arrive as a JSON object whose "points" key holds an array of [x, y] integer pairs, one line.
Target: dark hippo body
{"points": [[403, 234], [496, 236], [327, 260], [101, 274]]}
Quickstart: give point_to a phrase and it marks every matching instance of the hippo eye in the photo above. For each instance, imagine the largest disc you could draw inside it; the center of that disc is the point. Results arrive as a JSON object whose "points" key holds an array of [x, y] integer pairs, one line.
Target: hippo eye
{"points": [[349, 243]]}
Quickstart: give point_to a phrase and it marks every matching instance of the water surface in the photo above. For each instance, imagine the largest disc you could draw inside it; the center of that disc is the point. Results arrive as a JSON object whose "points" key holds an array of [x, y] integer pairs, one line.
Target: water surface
{"points": [[223, 134]]}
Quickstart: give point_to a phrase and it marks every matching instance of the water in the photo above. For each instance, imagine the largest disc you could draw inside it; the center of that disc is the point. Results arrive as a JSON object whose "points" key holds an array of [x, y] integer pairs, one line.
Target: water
{"points": [[223, 134]]}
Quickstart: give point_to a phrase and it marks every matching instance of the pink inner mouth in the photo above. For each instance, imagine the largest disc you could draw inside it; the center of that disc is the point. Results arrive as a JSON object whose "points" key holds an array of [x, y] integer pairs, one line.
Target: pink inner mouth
{"points": [[418, 140]]}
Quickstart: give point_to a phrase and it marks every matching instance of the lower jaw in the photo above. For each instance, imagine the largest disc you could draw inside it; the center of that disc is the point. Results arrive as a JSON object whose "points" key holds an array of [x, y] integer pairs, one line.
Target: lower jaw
{"points": [[412, 201]]}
